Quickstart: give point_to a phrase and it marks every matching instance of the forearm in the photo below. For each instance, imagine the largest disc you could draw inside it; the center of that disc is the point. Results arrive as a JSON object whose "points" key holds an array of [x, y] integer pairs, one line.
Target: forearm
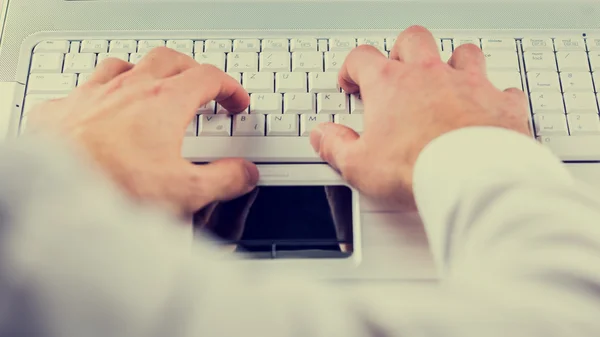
{"points": [[506, 212]]}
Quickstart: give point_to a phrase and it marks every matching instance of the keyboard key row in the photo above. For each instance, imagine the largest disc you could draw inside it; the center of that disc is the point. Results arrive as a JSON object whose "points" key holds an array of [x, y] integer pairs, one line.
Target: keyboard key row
{"points": [[266, 125], [557, 103], [564, 125], [549, 81]]}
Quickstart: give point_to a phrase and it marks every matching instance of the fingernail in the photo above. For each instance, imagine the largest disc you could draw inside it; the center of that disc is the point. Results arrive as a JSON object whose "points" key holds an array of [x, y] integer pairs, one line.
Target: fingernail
{"points": [[252, 173], [315, 138]]}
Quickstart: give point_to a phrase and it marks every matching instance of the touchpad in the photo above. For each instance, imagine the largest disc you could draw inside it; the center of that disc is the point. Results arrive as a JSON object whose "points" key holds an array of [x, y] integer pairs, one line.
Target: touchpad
{"points": [[284, 222]]}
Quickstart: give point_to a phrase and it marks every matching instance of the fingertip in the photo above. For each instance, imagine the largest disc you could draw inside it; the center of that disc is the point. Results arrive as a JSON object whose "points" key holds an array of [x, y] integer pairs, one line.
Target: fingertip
{"points": [[252, 173], [315, 138]]}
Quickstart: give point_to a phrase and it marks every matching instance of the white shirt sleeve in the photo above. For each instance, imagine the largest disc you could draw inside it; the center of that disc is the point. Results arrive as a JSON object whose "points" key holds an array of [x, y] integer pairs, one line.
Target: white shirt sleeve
{"points": [[516, 238]]}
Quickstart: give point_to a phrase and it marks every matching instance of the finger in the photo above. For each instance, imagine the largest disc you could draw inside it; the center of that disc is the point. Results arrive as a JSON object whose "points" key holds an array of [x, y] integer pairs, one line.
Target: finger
{"points": [[163, 62], [415, 45], [108, 69], [221, 180], [339, 147], [362, 65], [204, 83], [468, 57]]}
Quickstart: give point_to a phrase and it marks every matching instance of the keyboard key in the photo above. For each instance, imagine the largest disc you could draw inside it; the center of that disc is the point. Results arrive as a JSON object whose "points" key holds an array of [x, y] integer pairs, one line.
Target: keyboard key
{"points": [[447, 46], [376, 42], [265, 104], [543, 81], [282, 125], [540, 60], [537, 43], [303, 44], [275, 45], [307, 61], [94, 46], [192, 129], [551, 124], [184, 46], [32, 101], [290, 82], [242, 62], [51, 83], [389, 43], [258, 82], [356, 105], [547, 102], [214, 125], [82, 78], [502, 60], [334, 60], [593, 43], [459, 41], [145, 46], [217, 59], [120, 56], [217, 46], [246, 45], [79, 63], [249, 125], [576, 81], [572, 61], [332, 103], [55, 46], [504, 80], [300, 103], [207, 108], [342, 43], [310, 121], [569, 43], [47, 63], [323, 45], [498, 43], [75, 47], [123, 46], [583, 124], [275, 61], [581, 102], [135, 58], [323, 82], [594, 57], [236, 76], [354, 122], [596, 77]]}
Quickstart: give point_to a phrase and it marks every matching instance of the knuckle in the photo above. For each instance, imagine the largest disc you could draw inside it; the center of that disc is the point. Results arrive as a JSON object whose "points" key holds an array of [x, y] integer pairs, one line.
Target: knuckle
{"points": [[112, 63], [389, 71], [160, 52]]}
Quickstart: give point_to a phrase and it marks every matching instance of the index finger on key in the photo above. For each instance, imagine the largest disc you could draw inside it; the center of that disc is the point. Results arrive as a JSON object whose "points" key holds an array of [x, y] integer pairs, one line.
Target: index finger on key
{"points": [[204, 83], [415, 45], [362, 65]]}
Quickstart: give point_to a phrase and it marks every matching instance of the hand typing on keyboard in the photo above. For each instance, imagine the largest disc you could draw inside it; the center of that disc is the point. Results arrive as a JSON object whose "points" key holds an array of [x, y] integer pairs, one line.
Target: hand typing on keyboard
{"points": [[409, 100], [132, 121]]}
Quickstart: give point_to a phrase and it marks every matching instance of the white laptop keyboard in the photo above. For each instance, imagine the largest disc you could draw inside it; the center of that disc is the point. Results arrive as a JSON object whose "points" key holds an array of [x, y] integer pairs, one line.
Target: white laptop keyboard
{"points": [[293, 87]]}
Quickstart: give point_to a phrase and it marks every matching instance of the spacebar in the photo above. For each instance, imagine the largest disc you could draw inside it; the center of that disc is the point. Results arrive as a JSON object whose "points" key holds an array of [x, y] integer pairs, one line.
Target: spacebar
{"points": [[573, 148], [256, 149]]}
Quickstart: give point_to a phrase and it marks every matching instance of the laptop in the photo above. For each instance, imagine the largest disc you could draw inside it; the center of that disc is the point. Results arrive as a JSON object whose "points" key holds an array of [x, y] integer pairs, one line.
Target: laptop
{"points": [[287, 53]]}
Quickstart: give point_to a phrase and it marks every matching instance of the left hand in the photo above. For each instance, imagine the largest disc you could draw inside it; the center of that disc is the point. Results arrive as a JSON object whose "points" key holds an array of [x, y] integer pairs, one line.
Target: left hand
{"points": [[132, 121]]}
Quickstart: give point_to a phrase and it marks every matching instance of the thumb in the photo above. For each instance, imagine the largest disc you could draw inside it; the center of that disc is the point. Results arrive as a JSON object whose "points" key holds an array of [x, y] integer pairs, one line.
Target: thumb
{"points": [[336, 144], [221, 180]]}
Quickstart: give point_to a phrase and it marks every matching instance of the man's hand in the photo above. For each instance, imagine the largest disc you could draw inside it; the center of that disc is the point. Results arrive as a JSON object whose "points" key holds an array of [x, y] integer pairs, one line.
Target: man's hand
{"points": [[132, 121], [410, 100]]}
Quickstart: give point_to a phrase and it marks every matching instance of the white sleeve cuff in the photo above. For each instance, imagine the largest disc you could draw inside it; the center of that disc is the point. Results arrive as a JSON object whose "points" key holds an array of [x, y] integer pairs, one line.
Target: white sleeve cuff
{"points": [[450, 161]]}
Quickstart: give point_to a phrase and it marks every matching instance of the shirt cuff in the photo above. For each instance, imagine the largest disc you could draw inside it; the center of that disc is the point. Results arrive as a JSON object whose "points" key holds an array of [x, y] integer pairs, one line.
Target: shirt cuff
{"points": [[451, 161]]}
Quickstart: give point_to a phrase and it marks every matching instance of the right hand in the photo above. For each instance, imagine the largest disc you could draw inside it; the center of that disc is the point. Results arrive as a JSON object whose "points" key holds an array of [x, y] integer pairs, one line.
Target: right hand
{"points": [[410, 100]]}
